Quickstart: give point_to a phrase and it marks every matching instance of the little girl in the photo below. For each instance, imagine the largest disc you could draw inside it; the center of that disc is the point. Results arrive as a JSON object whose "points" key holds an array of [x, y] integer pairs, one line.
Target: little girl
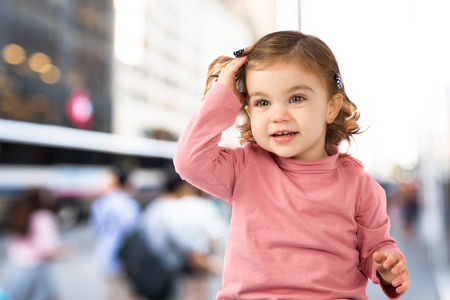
{"points": [[307, 222]]}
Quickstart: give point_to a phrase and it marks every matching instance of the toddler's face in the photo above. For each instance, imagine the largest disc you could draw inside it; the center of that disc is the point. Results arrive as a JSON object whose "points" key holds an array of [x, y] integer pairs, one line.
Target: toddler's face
{"points": [[289, 110]]}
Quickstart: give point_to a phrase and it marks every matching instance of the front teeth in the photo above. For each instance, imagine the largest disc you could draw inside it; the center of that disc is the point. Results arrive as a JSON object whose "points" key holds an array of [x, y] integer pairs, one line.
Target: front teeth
{"points": [[283, 133]]}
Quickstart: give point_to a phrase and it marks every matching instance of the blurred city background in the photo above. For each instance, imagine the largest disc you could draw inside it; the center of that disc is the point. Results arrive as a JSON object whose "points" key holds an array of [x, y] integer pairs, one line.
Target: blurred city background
{"points": [[86, 84]]}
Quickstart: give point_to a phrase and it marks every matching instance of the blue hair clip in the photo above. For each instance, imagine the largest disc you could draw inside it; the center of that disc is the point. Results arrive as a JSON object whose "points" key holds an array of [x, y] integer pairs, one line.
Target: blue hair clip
{"points": [[238, 52]]}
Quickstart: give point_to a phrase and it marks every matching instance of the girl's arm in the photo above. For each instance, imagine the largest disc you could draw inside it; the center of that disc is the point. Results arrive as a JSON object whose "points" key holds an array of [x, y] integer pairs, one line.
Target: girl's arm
{"points": [[373, 231], [199, 159]]}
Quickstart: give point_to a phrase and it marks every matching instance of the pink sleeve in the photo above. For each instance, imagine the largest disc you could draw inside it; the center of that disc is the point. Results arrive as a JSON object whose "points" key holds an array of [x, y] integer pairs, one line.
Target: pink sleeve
{"points": [[373, 230], [199, 160], [44, 233]]}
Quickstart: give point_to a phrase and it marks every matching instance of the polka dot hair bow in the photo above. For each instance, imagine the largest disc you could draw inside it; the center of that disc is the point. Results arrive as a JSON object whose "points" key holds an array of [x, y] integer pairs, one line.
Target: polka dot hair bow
{"points": [[238, 53], [338, 78]]}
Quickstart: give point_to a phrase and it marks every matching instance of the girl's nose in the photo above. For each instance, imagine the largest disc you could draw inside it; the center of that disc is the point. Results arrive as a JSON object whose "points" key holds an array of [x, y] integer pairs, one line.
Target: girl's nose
{"points": [[280, 114]]}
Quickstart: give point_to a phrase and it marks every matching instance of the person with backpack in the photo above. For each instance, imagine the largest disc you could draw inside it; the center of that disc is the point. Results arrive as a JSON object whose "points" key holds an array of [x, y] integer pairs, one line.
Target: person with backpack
{"points": [[174, 237], [114, 215]]}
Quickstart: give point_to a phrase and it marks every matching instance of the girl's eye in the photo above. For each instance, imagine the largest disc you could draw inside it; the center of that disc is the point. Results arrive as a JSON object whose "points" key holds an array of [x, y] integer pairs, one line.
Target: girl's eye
{"points": [[262, 103], [297, 99]]}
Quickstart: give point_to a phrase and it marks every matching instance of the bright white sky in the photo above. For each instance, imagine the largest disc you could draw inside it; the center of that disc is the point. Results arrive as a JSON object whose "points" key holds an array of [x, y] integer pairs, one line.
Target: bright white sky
{"points": [[394, 58], [129, 31]]}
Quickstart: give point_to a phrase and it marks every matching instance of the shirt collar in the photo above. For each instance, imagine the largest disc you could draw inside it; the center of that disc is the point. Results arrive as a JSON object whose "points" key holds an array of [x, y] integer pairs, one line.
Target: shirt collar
{"points": [[323, 165]]}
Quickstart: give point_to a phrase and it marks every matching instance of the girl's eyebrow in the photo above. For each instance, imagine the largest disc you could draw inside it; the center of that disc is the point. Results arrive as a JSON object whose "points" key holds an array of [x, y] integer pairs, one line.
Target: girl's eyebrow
{"points": [[257, 94], [300, 87], [290, 90]]}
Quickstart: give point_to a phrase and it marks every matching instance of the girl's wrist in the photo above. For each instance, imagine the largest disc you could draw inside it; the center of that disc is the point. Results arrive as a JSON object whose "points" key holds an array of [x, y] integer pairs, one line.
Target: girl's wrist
{"points": [[382, 281]]}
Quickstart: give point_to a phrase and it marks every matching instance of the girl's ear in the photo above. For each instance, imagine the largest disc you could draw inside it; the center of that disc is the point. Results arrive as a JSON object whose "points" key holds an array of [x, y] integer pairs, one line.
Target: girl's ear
{"points": [[247, 110], [334, 106]]}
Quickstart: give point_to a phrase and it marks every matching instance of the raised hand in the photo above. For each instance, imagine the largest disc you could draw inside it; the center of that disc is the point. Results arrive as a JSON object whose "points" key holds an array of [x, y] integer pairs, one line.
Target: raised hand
{"points": [[228, 73]]}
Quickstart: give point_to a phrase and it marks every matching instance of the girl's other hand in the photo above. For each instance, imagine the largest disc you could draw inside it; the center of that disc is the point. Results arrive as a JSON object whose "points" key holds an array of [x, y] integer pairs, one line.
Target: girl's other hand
{"points": [[392, 269], [228, 73]]}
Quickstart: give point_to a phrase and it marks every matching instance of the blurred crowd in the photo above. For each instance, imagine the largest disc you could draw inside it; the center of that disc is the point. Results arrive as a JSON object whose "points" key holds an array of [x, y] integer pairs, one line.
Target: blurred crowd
{"points": [[174, 243]]}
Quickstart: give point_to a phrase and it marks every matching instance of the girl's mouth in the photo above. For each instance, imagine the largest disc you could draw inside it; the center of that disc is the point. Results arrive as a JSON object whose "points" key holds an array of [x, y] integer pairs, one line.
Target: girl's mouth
{"points": [[282, 134], [284, 137]]}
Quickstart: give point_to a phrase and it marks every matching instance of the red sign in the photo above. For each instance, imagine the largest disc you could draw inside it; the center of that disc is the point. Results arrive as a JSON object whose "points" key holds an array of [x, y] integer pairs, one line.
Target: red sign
{"points": [[79, 108]]}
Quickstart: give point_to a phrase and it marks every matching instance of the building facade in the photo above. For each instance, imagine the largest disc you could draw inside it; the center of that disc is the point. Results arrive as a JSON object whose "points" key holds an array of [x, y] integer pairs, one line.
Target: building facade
{"points": [[128, 67], [163, 50]]}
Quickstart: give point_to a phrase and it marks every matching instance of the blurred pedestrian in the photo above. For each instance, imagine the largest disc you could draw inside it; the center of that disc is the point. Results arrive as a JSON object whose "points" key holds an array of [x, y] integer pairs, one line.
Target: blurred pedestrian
{"points": [[32, 242], [208, 221], [113, 216], [409, 193], [179, 237]]}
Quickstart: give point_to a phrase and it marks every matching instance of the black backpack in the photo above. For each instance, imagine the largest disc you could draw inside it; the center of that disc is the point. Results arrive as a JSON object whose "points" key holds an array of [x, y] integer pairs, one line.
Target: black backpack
{"points": [[144, 268]]}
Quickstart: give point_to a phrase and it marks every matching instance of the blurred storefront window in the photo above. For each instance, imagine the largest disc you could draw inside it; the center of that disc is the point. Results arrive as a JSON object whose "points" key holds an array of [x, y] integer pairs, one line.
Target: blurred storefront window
{"points": [[49, 49]]}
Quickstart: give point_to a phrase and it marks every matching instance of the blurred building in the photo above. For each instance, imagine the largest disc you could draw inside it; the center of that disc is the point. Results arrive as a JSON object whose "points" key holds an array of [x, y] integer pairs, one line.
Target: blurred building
{"points": [[127, 67], [55, 63], [163, 50]]}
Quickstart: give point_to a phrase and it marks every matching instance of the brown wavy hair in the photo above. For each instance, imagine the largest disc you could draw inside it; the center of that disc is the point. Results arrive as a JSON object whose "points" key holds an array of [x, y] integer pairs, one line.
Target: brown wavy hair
{"points": [[310, 53], [26, 204]]}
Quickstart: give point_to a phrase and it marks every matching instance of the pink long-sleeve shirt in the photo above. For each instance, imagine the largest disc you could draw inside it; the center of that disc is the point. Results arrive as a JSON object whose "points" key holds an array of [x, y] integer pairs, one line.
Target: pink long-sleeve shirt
{"points": [[299, 230]]}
